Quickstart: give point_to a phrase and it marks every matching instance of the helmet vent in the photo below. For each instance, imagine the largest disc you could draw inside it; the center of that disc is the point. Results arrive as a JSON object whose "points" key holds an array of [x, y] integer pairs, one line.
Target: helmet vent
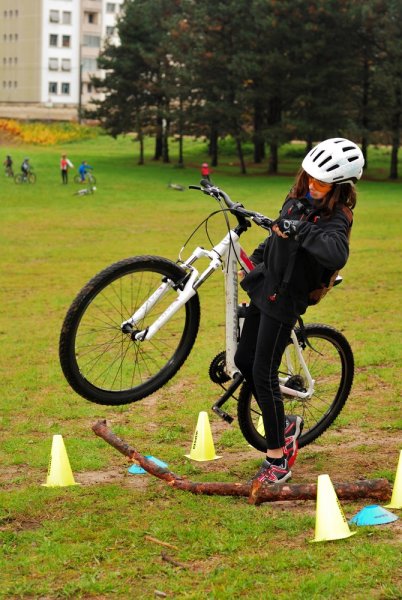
{"points": [[333, 168], [346, 148], [352, 158], [325, 161], [318, 156]]}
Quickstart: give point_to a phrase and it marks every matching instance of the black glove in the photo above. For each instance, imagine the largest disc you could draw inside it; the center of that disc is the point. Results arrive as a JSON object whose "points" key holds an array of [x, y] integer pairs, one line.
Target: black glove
{"points": [[288, 226]]}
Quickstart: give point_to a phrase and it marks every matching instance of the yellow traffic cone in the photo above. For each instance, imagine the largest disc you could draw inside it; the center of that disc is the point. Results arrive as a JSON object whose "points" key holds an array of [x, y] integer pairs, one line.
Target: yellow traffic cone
{"points": [[203, 445], [59, 473], [396, 498], [330, 521], [260, 426]]}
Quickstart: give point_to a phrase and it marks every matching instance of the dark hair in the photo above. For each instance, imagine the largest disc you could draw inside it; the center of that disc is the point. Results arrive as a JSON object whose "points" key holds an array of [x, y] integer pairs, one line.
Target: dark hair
{"points": [[343, 193]]}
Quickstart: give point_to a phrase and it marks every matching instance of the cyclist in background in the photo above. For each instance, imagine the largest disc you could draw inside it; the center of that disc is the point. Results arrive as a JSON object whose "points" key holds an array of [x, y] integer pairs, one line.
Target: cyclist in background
{"points": [[25, 167], [8, 165], [310, 241], [83, 170]]}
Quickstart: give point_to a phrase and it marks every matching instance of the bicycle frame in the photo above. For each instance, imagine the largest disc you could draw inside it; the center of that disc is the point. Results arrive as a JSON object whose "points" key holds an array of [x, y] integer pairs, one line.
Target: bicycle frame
{"points": [[226, 255]]}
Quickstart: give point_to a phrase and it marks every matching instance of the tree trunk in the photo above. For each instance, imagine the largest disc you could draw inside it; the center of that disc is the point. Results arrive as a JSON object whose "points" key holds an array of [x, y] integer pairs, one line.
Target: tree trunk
{"points": [[365, 108], [158, 139], [379, 489], [181, 158], [273, 158], [165, 140], [396, 124], [213, 145], [258, 141]]}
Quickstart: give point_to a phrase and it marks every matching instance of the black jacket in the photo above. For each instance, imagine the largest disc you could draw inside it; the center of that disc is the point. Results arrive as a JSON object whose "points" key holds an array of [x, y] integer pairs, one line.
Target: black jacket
{"points": [[321, 246]]}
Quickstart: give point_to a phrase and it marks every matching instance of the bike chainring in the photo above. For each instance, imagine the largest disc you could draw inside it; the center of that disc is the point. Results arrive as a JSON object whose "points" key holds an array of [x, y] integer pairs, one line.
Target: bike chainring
{"points": [[217, 372]]}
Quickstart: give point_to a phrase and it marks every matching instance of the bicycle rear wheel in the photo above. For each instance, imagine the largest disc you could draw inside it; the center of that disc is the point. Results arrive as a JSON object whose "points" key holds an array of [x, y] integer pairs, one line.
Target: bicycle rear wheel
{"points": [[330, 363], [107, 366]]}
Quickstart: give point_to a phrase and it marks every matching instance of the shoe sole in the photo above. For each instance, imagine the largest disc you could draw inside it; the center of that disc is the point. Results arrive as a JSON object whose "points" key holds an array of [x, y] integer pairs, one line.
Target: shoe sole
{"points": [[298, 432]]}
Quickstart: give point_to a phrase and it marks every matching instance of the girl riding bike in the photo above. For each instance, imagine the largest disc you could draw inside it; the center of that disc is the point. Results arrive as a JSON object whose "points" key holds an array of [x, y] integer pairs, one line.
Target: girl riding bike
{"points": [[310, 242]]}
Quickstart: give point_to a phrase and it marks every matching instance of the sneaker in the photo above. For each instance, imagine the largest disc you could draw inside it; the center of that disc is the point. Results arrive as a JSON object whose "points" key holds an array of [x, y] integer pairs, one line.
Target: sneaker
{"points": [[271, 474], [293, 430]]}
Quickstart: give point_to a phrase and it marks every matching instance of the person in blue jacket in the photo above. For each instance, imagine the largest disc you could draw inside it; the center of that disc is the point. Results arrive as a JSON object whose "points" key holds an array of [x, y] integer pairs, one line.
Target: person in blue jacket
{"points": [[312, 235], [83, 170]]}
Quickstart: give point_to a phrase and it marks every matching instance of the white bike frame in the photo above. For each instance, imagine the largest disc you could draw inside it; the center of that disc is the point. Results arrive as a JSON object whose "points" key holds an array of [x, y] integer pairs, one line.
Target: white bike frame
{"points": [[226, 255]]}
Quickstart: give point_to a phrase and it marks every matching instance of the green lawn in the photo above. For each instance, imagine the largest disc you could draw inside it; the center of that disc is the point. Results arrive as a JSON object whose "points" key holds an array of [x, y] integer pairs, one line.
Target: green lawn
{"points": [[89, 541]]}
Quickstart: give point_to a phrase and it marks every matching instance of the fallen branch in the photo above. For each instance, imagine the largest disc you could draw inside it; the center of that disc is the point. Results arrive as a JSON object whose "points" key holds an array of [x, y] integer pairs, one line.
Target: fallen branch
{"points": [[378, 489], [149, 538], [172, 561]]}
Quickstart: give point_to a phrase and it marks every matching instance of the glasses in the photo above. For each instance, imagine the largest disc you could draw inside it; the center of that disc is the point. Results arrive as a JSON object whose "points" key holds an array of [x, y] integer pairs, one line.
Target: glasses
{"points": [[318, 185]]}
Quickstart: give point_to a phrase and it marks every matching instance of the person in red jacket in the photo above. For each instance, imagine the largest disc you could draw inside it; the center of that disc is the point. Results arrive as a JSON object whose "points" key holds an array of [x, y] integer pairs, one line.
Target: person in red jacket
{"points": [[312, 235], [65, 165], [205, 171]]}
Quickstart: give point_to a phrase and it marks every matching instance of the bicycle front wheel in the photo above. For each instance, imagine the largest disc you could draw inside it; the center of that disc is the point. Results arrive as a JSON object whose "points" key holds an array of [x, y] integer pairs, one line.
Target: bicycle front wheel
{"points": [[31, 178], [107, 366], [331, 365], [18, 178]]}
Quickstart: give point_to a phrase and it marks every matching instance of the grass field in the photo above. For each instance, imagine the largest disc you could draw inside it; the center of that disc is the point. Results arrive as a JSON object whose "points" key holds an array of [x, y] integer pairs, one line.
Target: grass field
{"points": [[90, 541]]}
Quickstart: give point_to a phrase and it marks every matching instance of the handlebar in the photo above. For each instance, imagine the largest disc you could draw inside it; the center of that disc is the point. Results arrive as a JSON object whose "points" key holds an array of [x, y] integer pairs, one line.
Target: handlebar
{"points": [[236, 208]]}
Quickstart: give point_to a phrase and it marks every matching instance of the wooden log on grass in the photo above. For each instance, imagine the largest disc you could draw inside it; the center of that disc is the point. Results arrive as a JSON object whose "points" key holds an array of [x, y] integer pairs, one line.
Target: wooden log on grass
{"points": [[377, 489]]}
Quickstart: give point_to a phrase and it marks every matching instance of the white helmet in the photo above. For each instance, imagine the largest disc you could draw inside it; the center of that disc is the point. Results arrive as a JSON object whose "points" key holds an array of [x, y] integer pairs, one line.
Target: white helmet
{"points": [[336, 160]]}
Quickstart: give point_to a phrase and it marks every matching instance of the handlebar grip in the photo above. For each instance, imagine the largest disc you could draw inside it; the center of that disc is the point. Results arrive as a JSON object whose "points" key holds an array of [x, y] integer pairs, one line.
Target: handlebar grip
{"points": [[205, 183]]}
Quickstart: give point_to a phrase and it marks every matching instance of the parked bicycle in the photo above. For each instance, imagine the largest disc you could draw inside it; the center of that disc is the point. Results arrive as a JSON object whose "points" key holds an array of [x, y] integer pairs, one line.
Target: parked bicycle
{"points": [[133, 325], [29, 177]]}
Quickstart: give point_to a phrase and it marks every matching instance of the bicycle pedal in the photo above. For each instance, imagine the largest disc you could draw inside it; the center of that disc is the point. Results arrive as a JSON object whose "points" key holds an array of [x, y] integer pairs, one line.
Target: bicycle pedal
{"points": [[222, 414]]}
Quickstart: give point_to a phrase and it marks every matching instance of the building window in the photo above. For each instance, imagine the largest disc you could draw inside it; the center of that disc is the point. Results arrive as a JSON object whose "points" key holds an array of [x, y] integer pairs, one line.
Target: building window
{"points": [[16, 36], [53, 64], [110, 7], [10, 60], [53, 40], [109, 30], [66, 18], [54, 16], [89, 88], [15, 84], [16, 12], [15, 60], [66, 64], [52, 87], [65, 88], [66, 41], [92, 41], [89, 64], [91, 17]]}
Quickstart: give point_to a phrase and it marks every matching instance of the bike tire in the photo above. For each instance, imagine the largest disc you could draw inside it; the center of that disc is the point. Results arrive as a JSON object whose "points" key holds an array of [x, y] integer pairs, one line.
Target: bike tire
{"points": [[31, 178], [331, 365], [103, 364], [18, 178]]}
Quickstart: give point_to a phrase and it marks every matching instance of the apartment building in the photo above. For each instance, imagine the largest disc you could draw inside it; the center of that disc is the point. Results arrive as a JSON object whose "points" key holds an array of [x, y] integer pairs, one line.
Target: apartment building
{"points": [[49, 50]]}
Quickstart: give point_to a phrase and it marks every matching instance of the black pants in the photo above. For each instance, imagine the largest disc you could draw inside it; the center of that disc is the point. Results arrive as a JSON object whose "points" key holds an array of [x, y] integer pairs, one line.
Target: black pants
{"points": [[259, 354], [64, 175]]}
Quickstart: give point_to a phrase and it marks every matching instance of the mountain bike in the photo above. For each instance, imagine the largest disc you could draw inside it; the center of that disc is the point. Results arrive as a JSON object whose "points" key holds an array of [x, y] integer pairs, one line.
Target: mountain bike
{"points": [[89, 178], [132, 326], [29, 177]]}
